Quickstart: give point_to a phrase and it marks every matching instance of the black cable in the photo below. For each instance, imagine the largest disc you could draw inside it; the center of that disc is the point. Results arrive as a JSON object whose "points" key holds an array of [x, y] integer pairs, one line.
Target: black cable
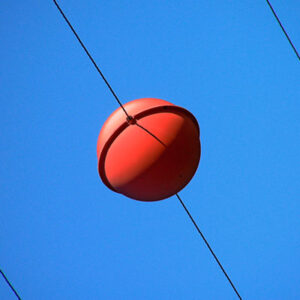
{"points": [[91, 58], [10, 285], [149, 132], [208, 246], [195, 224], [287, 36], [134, 122]]}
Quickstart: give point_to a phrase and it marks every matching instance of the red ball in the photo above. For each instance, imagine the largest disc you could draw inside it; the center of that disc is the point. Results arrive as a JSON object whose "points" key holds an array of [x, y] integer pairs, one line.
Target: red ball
{"points": [[152, 156]]}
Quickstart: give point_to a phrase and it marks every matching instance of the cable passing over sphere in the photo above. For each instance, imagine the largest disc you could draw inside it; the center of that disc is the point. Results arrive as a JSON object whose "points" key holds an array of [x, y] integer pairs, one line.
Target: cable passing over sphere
{"points": [[152, 154]]}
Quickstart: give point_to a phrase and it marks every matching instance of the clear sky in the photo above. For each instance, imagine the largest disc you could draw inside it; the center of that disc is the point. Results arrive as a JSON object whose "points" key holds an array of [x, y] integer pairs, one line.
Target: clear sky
{"points": [[64, 235]]}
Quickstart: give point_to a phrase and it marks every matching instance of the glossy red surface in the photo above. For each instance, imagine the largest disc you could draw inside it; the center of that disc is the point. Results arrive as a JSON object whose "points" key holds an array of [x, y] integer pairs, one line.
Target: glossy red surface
{"points": [[134, 163]]}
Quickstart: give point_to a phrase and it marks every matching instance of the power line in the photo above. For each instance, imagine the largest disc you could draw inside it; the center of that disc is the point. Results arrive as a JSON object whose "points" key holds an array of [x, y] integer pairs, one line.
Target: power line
{"points": [[284, 31], [149, 132], [132, 121], [91, 58], [208, 246], [10, 285], [192, 219]]}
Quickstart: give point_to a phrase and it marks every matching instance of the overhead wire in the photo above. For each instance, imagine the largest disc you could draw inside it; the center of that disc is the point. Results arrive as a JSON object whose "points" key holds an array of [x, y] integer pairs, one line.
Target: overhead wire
{"points": [[194, 222], [129, 118], [132, 121], [284, 31], [150, 133], [208, 246], [10, 285], [92, 60]]}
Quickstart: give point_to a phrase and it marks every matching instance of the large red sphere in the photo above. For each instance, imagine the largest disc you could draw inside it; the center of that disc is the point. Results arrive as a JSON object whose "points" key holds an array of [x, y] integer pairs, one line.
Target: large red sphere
{"points": [[153, 158]]}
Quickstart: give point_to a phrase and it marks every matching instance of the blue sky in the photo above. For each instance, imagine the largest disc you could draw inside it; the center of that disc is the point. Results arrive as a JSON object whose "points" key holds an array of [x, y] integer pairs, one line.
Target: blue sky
{"points": [[64, 235]]}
